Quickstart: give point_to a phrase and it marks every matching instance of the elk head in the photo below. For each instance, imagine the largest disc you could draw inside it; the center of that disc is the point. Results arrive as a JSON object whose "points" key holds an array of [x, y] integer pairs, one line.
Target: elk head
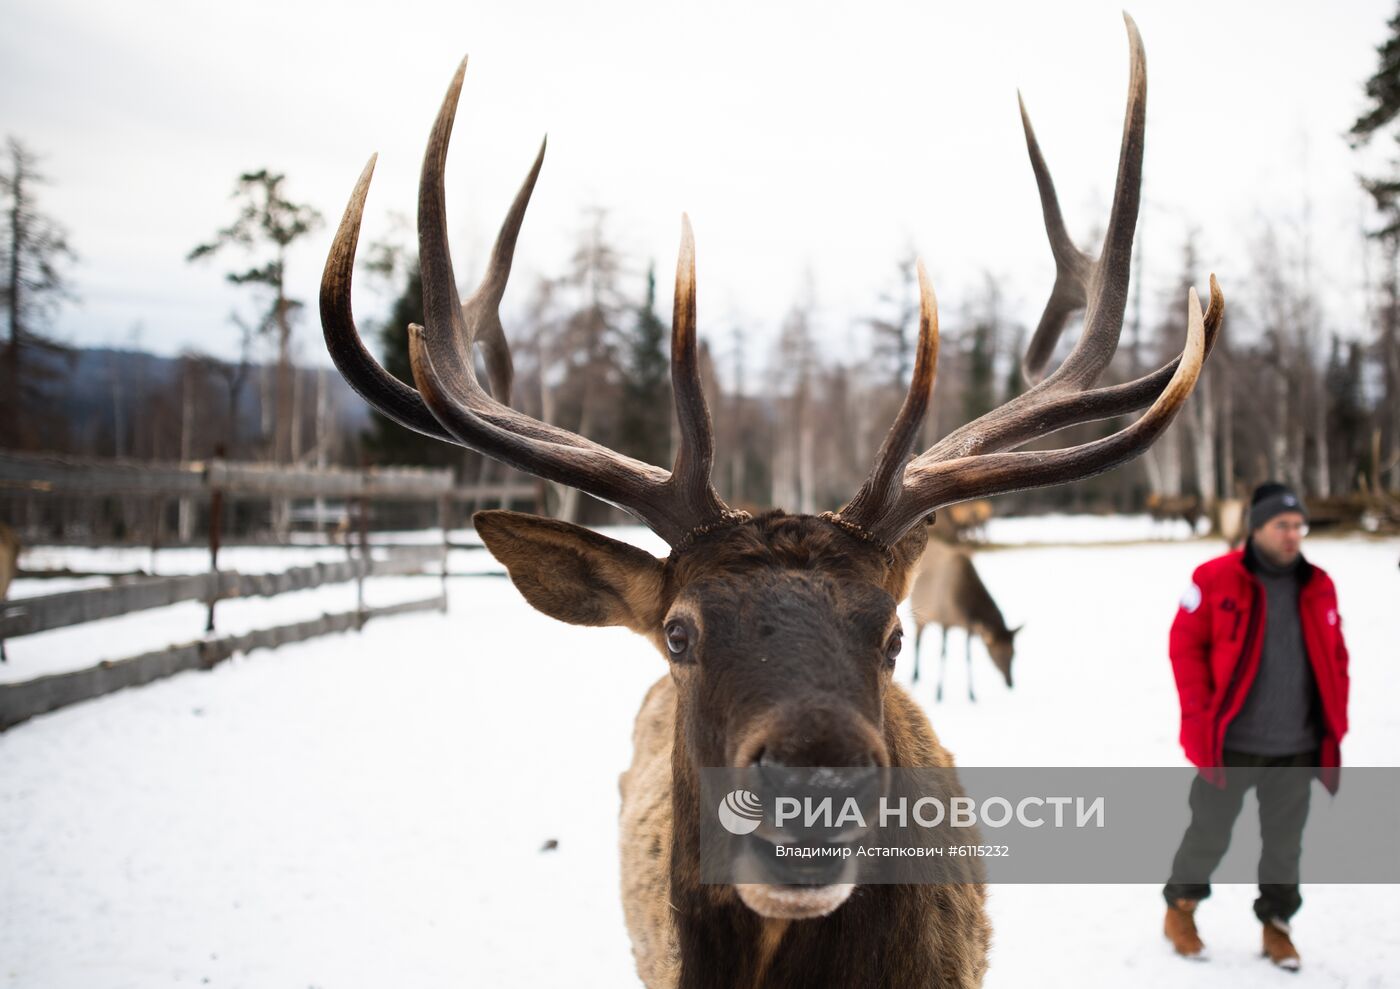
{"points": [[780, 630], [1001, 646]]}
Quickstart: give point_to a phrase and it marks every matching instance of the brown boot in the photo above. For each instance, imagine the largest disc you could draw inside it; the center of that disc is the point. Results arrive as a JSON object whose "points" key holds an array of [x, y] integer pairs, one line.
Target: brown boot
{"points": [[1278, 947], [1180, 928]]}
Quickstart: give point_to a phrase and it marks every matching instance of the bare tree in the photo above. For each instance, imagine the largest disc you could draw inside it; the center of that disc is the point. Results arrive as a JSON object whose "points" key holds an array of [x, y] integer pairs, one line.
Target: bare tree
{"points": [[589, 397], [794, 373]]}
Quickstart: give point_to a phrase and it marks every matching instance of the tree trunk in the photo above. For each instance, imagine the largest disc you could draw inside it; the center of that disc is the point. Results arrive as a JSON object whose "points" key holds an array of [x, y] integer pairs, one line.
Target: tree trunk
{"points": [[1227, 431], [1324, 468], [1202, 422], [807, 465], [186, 517]]}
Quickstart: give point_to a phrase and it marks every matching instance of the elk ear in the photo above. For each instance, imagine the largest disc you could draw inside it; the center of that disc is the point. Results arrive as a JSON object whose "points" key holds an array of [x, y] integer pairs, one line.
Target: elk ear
{"points": [[574, 574]]}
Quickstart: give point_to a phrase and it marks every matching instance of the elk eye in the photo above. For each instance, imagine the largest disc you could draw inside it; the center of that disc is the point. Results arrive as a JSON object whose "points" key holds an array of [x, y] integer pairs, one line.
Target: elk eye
{"points": [[893, 646], [677, 638]]}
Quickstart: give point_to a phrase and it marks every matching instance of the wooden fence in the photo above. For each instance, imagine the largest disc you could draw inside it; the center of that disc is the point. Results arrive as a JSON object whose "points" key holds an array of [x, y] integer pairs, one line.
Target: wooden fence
{"points": [[25, 616], [21, 701], [28, 616], [41, 475]]}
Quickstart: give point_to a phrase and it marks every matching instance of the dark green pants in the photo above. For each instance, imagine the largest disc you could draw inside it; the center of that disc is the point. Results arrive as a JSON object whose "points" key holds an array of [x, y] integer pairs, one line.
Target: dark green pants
{"points": [[1283, 811]]}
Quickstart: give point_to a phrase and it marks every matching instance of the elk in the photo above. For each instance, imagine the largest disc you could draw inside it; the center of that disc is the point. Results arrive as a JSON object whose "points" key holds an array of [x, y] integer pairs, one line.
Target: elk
{"points": [[947, 592], [1166, 508], [966, 521], [1230, 516], [9, 566], [780, 631]]}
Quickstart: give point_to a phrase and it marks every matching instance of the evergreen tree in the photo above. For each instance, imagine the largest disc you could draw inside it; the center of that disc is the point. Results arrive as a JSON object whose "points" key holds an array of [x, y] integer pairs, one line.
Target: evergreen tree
{"points": [[1015, 381], [33, 252], [1383, 90], [267, 225], [1346, 410], [646, 389], [386, 441], [979, 390], [982, 343]]}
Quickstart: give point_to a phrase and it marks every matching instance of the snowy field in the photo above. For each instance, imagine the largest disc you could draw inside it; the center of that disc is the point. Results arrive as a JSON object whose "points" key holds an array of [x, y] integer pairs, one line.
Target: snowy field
{"points": [[369, 809], [1031, 530]]}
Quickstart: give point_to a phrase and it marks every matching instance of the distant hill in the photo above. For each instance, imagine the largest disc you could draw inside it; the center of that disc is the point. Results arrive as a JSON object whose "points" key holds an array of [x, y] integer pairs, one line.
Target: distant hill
{"points": [[102, 392]]}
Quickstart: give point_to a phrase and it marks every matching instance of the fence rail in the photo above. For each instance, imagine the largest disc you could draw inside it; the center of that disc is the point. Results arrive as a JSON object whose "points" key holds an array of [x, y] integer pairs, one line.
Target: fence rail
{"points": [[22, 701], [40, 475], [26, 473], [26, 616]]}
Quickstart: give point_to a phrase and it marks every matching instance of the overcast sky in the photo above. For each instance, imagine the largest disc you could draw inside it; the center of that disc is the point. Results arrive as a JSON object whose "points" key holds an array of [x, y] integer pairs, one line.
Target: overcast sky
{"points": [[810, 143]]}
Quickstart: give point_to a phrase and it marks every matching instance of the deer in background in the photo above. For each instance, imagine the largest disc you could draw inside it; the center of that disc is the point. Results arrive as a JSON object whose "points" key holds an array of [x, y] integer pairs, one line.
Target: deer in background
{"points": [[947, 592], [965, 522], [1169, 508], [780, 632], [1230, 517], [9, 566]]}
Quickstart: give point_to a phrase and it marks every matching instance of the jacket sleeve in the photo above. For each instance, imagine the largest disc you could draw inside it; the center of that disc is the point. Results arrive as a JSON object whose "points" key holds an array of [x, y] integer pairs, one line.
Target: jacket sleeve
{"points": [[1343, 673], [1190, 655]]}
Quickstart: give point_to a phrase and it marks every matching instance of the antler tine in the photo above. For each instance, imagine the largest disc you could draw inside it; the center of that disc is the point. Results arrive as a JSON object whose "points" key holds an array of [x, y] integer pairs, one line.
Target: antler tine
{"points": [[695, 456], [1108, 284], [375, 385], [1073, 268], [882, 487], [1080, 280], [453, 327], [482, 312], [930, 486], [966, 463], [1036, 414], [443, 369]]}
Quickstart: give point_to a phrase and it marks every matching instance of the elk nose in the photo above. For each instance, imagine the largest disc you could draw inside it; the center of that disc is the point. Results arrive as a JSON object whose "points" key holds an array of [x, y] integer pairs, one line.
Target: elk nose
{"points": [[811, 736], [768, 758]]}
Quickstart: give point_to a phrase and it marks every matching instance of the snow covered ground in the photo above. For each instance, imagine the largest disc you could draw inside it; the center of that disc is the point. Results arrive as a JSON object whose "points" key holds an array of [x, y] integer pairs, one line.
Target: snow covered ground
{"points": [[370, 809], [1055, 529]]}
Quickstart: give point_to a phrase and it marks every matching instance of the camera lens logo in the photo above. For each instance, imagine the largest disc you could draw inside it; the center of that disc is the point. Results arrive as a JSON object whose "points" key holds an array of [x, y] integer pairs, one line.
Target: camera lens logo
{"points": [[740, 812]]}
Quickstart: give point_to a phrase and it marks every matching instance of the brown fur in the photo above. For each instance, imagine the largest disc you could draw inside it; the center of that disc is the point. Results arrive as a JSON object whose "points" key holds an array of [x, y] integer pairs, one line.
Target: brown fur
{"points": [[687, 934], [9, 565], [1230, 514], [964, 521], [9, 558], [1164, 508]]}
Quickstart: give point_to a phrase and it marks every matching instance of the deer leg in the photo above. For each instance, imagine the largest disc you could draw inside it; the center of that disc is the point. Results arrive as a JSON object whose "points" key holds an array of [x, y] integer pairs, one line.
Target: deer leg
{"points": [[3, 657], [970, 695], [942, 665], [918, 641]]}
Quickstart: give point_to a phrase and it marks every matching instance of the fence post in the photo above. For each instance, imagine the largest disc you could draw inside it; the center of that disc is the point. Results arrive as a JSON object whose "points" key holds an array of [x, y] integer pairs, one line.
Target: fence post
{"points": [[444, 521], [363, 503], [216, 516]]}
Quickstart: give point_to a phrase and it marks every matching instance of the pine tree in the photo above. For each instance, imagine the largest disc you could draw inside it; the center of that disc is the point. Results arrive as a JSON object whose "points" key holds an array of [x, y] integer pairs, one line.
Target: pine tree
{"points": [[1383, 90], [267, 225], [386, 442], [646, 389], [981, 341], [33, 252], [1346, 410]]}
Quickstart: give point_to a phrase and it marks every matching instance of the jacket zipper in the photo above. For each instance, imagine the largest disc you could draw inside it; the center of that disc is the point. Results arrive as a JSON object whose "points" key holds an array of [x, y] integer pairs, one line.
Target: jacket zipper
{"points": [[1238, 674]]}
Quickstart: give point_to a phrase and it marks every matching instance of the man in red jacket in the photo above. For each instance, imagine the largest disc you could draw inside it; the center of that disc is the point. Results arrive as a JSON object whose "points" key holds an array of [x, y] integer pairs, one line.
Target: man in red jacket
{"points": [[1261, 667]]}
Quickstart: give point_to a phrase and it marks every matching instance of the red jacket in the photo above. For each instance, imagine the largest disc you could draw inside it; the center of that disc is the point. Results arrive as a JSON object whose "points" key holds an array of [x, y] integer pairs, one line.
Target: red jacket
{"points": [[1216, 642]]}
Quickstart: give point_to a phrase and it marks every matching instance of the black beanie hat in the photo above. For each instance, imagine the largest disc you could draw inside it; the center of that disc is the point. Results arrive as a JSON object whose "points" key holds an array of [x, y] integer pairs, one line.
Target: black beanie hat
{"points": [[1272, 498]]}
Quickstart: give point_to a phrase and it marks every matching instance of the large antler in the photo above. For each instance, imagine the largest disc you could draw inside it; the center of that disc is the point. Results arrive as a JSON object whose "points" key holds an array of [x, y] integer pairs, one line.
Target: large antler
{"points": [[967, 463], [450, 403]]}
